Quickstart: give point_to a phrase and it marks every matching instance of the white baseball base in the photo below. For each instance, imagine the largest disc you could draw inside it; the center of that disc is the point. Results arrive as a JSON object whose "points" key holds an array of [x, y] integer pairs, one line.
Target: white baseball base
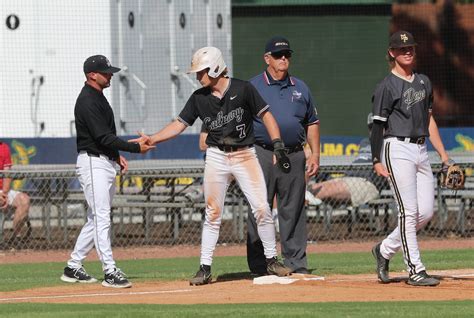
{"points": [[273, 279]]}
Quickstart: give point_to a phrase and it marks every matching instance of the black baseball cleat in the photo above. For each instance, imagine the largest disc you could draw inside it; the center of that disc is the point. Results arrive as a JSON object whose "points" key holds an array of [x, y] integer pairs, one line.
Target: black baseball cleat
{"points": [[382, 264], [301, 270], [422, 279], [116, 279], [275, 267], [202, 277], [77, 275], [258, 272]]}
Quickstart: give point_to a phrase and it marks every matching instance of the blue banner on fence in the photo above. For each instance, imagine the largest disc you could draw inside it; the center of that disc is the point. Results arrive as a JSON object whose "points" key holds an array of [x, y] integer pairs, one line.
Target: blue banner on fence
{"points": [[63, 150]]}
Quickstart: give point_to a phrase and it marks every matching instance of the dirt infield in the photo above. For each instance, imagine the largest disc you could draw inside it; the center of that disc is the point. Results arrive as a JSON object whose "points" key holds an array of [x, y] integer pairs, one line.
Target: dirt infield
{"points": [[455, 285]]}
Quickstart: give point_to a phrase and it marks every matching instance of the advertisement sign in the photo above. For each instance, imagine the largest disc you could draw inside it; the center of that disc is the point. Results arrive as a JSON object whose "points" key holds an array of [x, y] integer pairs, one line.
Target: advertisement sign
{"points": [[63, 150]]}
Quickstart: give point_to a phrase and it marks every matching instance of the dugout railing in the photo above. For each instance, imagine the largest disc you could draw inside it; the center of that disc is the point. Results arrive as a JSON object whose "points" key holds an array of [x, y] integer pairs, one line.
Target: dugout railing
{"points": [[161, 203]]}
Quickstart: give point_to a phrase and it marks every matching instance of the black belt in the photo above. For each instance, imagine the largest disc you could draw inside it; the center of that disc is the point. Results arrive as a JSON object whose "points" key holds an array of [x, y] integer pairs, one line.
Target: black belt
{"points": [[92, 154], [415, 140], [288, 150], [232, 148]]}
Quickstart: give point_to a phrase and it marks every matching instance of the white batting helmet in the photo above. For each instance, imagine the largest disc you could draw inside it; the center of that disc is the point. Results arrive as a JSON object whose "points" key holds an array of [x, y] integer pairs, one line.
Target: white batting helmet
{"points": [[208, 57]]}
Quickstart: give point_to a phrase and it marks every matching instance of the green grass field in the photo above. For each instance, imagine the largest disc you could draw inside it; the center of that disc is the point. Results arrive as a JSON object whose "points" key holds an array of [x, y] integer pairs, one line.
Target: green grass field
{"points": [[22, 276], [381, 309]]}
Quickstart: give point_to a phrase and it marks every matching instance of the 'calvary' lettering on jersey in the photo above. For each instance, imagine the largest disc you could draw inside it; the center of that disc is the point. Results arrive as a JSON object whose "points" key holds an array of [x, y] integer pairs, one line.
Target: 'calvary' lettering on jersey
{"points": [[222, 119], [228, 120]]}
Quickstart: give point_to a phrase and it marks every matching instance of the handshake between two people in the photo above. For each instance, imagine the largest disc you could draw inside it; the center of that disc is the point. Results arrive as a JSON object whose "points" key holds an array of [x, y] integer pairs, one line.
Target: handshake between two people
{"points": [[144, 141], [145, 144]]}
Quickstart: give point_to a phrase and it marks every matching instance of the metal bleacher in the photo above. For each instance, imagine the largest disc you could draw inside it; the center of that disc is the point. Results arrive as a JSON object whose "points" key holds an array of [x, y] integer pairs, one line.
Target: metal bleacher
{"points": [[151, 206]]}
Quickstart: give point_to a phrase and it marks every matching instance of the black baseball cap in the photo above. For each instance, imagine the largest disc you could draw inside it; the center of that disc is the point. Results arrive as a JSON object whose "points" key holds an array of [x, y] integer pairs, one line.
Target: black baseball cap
{"points": [[401, 39], [99, 64], [277, 44]]}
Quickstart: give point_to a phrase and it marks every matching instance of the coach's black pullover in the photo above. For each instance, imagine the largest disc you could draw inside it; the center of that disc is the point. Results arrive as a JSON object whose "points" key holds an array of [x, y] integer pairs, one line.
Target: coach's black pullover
{"points": [[95, 126]]}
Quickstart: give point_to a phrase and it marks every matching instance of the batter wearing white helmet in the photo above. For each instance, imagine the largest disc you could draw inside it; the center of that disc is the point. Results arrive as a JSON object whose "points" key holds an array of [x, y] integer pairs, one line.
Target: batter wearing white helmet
{"points": [[402, 104], [227, 107]]}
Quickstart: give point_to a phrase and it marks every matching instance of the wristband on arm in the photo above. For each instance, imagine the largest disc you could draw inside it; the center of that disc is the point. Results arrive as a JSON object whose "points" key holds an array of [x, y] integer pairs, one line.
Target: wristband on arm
{"points": [[376, 141]]}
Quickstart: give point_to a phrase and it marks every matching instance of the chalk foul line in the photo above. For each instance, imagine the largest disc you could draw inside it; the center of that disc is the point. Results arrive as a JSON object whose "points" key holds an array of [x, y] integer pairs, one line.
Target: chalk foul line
{"points": [[97, 295]]}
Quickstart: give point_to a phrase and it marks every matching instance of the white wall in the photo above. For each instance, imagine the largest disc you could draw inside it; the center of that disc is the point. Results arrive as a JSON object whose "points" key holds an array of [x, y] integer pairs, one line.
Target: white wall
{"points": [[56, 36], [53, 40]]}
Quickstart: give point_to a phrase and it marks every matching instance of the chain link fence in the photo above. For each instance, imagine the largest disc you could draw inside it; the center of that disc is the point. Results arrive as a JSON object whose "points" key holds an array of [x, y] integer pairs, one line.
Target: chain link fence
{"points": [[164, 205]]}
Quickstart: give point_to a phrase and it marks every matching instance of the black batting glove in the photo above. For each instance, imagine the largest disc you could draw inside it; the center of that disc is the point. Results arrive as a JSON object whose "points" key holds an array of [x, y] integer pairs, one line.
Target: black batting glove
{"points": [[282, 159]]}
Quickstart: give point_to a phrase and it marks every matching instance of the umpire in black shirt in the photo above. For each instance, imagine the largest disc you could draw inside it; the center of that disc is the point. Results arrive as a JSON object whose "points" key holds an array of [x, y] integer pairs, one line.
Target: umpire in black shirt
{"points": [[97, 164]]}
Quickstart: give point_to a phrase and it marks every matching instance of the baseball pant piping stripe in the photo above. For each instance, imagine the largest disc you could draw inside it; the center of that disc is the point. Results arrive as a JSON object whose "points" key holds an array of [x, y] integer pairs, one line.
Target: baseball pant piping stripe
{"points": [[402, 209], [94, 211]]}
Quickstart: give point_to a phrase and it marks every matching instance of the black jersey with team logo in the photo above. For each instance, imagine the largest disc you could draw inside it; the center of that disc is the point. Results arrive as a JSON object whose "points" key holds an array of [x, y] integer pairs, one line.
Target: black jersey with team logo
{"points": [[403, 105], [229, 120]]}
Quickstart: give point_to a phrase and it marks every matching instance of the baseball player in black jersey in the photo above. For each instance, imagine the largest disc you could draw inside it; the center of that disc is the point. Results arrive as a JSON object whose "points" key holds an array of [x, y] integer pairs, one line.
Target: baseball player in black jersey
{"points": [[227, 107], [97, 161], [402, 105]]}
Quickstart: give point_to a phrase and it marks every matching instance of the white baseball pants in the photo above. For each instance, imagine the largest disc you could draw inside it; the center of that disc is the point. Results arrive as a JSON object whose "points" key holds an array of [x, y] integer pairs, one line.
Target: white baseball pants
{"points": [[219, 169], [412, 183], [97, 178]]}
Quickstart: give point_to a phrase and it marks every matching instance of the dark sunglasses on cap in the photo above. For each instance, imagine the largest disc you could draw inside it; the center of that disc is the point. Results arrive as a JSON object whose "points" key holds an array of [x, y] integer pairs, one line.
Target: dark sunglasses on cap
{"points": [[279, 55]]}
